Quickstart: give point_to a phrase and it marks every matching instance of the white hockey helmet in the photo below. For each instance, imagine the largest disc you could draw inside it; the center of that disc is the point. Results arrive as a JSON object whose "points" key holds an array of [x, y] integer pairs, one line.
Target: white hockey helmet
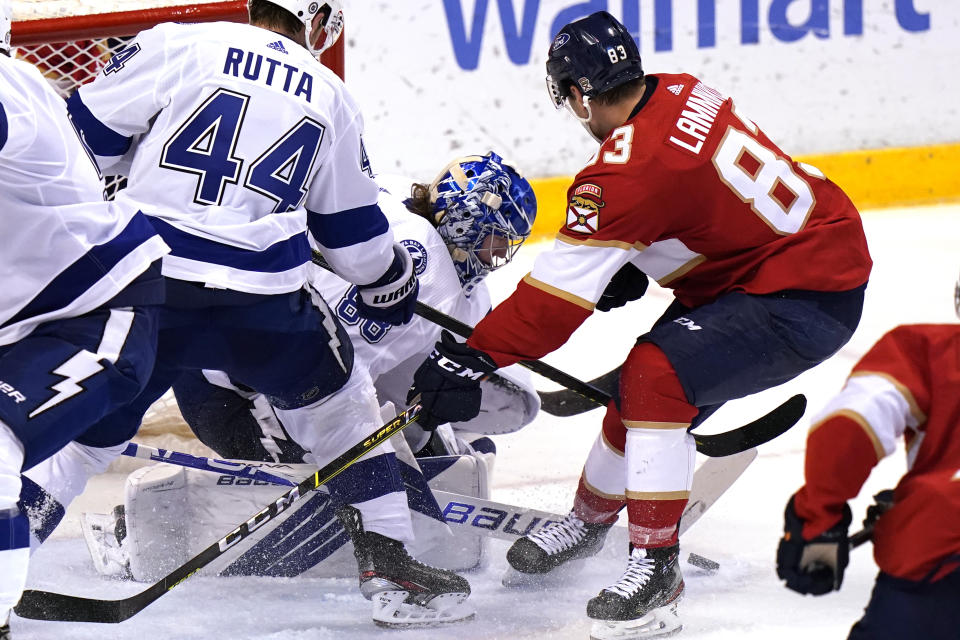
{"points": [[6, 21], [307, 10]]}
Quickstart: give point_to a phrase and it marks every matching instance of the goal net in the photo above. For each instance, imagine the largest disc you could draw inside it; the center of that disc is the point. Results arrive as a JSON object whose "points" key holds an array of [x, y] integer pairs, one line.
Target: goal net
{"points": [[69, 41]]}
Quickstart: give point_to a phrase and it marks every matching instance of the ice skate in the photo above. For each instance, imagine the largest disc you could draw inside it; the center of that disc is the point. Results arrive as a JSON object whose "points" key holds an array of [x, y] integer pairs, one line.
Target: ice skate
{"points": [[643, 602], [405, 593], [5, 629], [536, 559], [104, 535]]}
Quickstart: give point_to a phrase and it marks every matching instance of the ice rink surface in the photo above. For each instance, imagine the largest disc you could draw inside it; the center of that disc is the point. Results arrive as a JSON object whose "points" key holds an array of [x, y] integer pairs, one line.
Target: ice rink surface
{"points": [[916, 265]]}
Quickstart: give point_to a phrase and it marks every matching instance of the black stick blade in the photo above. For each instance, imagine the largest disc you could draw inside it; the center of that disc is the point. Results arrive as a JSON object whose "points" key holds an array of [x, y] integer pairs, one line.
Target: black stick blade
{"points": [[47, 605], [760, 431]]}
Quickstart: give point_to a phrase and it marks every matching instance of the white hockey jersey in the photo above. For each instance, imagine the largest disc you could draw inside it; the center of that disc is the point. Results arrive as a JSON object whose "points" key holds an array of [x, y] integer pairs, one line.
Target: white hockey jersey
{"points": [[392, 354], [379, 345], [230, 135], [63, 250]]}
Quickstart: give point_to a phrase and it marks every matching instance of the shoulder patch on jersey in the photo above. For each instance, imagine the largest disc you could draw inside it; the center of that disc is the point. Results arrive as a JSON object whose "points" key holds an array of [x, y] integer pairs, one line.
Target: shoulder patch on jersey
{"points": [[278, 46], [583, 212], [675, 89], [419, 254]]}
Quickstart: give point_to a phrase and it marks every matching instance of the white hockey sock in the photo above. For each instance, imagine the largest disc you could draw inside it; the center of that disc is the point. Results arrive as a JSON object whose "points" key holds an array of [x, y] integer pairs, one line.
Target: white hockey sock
{"points": [[14, 527], [64, 475]]}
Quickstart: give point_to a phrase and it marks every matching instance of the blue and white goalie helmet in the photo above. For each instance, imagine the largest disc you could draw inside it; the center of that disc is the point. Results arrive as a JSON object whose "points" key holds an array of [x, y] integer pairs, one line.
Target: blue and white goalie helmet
{"points": [[484, 210], [6, 21], [307, 10]]}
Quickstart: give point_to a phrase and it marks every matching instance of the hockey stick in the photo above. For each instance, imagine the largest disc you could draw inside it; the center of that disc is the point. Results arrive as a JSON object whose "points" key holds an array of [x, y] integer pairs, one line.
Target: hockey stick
{"points": [[223, 467], [47, 605], [565, 403], [759, 431], [860, 537]]}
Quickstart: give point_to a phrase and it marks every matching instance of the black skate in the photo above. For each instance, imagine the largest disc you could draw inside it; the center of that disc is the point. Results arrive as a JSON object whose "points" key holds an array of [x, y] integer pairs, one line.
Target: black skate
{"points": [[5, 630], [558, 543], [643, 602], [405, 593]]}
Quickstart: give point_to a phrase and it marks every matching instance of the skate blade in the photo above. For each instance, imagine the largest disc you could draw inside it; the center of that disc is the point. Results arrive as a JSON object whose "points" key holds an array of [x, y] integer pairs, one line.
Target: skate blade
{"points": [[108, 558], [391, 610], [659, 623], [561, 576]]}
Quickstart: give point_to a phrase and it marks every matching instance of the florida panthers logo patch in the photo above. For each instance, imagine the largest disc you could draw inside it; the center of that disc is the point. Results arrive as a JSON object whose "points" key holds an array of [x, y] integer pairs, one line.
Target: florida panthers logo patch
{"points": [[583, 212]]}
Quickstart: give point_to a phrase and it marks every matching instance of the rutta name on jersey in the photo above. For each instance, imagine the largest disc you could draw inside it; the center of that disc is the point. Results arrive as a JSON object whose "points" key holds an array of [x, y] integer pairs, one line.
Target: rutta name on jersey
{"points": [[583, 212], [697, 118], [260, 68]]}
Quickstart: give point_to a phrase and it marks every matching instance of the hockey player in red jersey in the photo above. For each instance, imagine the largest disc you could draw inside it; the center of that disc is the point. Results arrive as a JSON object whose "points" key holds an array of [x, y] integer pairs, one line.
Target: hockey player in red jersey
{"points": [[906, 385], [768, 263]]}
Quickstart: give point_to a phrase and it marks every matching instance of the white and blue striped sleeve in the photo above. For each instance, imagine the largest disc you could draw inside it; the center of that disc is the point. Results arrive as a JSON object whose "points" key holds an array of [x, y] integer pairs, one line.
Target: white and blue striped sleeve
{"points": [[342, 211], [124, 98]]}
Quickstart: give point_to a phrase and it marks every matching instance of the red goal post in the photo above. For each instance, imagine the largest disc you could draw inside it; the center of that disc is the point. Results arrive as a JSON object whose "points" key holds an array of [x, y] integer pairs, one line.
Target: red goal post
{"points": [[70, 40]]}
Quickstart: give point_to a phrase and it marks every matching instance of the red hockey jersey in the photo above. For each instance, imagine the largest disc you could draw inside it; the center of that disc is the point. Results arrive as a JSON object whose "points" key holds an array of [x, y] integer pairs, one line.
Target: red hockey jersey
{"points": [[907, 385], [699, 198]]}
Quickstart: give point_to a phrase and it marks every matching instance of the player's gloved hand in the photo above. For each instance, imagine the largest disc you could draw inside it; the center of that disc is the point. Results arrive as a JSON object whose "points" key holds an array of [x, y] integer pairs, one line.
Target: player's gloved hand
{"points": [[813, 566], [393, 297], [448, 382], [626, 285], [882, 502]]}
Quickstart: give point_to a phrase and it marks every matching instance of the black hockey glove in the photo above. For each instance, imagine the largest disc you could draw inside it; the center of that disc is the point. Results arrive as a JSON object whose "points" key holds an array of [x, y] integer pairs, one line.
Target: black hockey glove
{"points": [[448, 383], [393, 297], [626, 285], [813, 566]]}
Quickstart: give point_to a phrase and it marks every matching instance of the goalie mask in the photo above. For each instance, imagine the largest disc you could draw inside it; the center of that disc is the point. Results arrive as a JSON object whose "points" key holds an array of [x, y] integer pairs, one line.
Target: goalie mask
{"points": [[484, 210], [6, 20], [307, 10]]}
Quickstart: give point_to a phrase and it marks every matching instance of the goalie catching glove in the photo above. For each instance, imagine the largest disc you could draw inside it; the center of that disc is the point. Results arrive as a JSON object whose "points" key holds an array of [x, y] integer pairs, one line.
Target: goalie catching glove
{"points": [[813, 566], [448, 383], [393, 297]]}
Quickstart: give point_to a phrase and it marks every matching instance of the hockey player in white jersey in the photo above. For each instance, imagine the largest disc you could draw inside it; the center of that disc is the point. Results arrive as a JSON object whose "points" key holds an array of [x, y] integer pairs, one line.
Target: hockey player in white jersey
{"points": [[468, 222], [236, 142], [78, 319]]}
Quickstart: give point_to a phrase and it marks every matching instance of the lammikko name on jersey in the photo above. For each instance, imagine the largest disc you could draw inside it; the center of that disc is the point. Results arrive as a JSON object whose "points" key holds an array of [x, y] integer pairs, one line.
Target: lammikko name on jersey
{"points": [[697, 118]]}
